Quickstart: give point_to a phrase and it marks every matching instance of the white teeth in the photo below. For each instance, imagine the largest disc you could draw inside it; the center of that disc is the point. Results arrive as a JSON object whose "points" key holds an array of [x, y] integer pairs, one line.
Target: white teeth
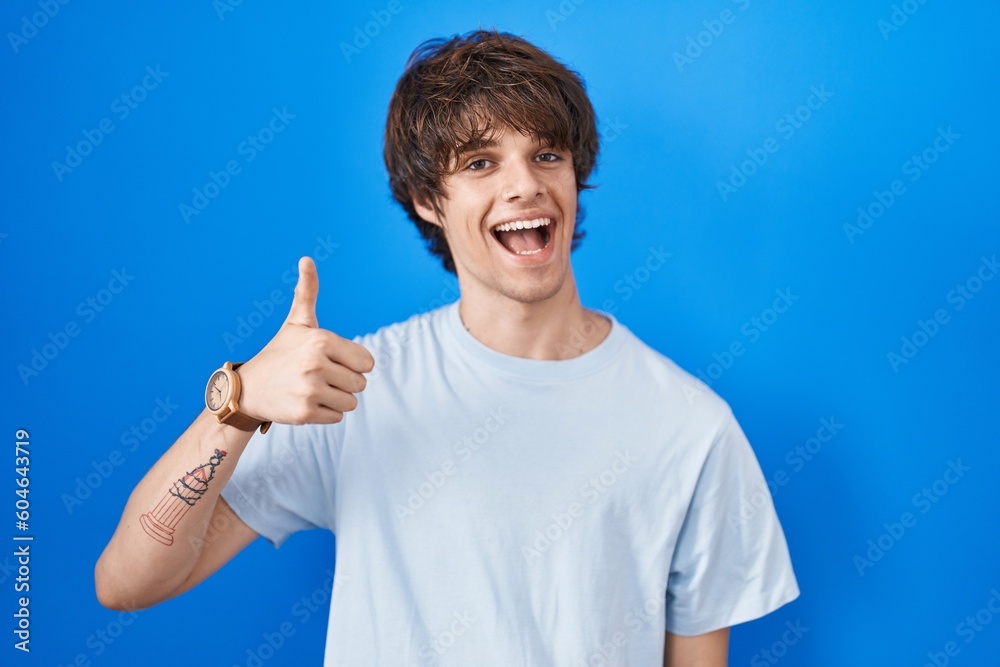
{"points": [[523, 224], [528, 252]]}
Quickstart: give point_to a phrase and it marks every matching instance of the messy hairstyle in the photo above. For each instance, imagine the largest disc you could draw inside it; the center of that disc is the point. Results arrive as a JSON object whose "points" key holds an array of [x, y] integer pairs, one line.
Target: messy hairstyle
{"points": [[456, 93]]}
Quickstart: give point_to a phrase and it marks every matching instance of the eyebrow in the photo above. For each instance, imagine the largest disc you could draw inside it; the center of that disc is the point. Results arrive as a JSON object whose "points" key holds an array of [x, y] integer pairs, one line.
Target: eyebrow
{"points": [[481, 144], [477, 145]]}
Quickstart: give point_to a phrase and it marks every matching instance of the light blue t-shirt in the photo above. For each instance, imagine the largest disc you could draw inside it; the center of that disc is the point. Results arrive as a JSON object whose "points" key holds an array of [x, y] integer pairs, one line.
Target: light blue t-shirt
{"points": [[496, 510]]}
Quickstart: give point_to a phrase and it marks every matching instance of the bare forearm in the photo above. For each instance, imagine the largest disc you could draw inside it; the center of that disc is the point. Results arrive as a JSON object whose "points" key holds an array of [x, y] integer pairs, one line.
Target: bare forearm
{"points": [[707, 650], [304, 375], [162, 529]]}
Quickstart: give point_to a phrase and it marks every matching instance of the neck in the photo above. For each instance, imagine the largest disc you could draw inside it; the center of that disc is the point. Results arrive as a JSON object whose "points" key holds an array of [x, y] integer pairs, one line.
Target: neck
{"points": [[555, 328]]}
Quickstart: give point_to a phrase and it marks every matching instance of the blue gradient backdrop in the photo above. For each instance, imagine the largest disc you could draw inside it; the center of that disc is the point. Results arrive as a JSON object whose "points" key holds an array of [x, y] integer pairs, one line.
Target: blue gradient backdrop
{"points": [[689, 96]]}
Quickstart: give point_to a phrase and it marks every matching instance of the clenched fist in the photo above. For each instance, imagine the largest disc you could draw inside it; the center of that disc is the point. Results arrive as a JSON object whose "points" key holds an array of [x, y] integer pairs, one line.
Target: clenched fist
{"points": [[305, 374]]}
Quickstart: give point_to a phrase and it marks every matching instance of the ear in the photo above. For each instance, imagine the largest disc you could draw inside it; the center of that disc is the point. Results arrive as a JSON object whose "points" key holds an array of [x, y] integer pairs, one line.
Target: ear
{"points": [[425, 211]]}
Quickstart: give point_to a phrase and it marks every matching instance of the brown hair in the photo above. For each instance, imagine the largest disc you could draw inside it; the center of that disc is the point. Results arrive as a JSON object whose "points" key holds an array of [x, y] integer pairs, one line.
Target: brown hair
{"points": [[453, 94]]}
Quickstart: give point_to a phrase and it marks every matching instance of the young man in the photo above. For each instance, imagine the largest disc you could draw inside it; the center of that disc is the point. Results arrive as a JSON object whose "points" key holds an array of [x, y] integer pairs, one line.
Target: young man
{"points": [[521, 481]]}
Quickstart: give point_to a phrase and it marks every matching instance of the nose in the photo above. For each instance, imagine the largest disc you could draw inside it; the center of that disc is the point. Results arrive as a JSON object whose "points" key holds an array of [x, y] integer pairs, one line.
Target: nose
{"points": [[521, 181]]}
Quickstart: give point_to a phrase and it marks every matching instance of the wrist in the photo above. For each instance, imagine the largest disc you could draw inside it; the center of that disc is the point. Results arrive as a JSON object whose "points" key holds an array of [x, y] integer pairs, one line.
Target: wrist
{"points": [[248, 404], [224, 399]]}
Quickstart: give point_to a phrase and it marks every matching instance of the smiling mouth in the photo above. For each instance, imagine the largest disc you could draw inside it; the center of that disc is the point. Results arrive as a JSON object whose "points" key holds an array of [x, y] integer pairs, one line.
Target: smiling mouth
{"points": [[524, 237]]}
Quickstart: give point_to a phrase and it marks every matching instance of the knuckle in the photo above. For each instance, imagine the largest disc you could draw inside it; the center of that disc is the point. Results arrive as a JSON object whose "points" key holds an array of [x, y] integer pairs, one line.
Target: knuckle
{"points": [[310, 395], [303, 415], [311, 363], [316, 339]]}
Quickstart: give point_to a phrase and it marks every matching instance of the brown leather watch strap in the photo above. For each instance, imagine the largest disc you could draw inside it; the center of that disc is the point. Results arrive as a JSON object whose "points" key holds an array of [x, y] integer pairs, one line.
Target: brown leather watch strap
{"points": [[242, 421]]}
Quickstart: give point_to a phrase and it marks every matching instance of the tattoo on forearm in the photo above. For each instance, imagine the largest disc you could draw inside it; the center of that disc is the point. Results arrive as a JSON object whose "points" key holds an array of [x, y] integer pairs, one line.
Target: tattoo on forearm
{"points": [[179, 498]]}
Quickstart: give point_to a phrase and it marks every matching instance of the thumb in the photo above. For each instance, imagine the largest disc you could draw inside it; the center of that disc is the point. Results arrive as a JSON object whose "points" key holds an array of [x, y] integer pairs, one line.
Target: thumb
{"points": [[303, 310]]}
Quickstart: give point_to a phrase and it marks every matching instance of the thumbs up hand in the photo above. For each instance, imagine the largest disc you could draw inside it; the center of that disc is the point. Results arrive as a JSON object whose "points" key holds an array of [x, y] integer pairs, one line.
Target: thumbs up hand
{"points": [[305, 374], [303, 310]]}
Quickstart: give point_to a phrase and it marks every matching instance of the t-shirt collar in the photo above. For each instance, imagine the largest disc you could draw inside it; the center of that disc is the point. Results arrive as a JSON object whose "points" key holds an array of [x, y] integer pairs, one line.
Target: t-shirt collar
{"points": [[554, 369]]}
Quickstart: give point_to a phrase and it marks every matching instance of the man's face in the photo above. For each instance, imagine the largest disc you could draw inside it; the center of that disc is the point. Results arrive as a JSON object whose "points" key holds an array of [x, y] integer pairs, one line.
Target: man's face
{"points": [[514, 180]]}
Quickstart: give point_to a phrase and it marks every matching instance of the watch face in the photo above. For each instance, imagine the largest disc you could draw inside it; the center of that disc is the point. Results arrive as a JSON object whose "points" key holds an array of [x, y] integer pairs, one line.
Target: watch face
{"points": [[217, 391]]}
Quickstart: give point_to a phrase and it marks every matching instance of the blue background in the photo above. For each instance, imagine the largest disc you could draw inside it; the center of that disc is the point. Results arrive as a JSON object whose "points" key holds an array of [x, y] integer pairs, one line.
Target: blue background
{"points": [[672, 130]]}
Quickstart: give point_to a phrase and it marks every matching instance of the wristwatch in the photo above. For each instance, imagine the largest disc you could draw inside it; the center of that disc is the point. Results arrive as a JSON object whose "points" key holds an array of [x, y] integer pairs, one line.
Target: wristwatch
{"points": [[222, 397]]}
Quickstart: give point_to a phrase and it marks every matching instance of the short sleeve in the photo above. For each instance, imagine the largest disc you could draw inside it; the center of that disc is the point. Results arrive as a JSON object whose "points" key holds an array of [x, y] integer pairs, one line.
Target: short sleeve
{"points": [[285, 480], [731, 562]]}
